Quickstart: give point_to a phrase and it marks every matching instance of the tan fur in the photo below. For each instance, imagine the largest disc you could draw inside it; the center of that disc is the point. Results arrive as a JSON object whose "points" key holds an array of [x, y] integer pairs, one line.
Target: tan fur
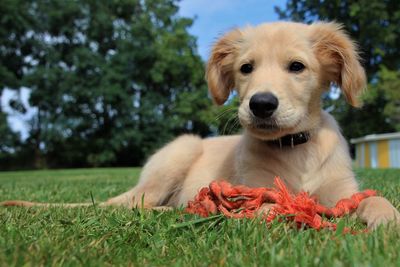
{"points": [[336, 54], [322, 166], [220, 66]]}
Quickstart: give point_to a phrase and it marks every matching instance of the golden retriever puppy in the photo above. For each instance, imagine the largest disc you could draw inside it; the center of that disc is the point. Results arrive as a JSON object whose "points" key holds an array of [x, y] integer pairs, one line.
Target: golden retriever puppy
{"points": [[279, 71]]}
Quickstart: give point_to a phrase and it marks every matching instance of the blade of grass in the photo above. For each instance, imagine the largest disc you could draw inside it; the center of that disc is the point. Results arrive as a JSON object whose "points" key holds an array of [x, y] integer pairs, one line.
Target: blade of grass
{"points": [[197, 221]]}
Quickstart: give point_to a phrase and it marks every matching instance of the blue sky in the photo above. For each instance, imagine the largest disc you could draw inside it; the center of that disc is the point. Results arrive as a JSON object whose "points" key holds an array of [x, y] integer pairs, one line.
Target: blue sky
{"points": [[214, 17]]}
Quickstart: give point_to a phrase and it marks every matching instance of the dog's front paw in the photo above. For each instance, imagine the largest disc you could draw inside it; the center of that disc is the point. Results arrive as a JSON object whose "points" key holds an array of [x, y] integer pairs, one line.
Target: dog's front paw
{"points": [[376, 211], [265, 209]]}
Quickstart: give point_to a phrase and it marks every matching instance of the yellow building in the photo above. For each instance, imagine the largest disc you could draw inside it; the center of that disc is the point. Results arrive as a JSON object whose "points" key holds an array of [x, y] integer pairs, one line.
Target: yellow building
{"points": [[378, 150]]}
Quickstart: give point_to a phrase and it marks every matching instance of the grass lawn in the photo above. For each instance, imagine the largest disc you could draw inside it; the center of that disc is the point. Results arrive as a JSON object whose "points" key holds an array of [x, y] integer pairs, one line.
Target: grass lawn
{"points": [[92, 236]]}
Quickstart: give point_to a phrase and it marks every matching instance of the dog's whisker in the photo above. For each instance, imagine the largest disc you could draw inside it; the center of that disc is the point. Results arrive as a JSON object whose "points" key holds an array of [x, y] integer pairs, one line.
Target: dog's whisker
{"points": [[234, 125], [233, 117], [226, 112]]}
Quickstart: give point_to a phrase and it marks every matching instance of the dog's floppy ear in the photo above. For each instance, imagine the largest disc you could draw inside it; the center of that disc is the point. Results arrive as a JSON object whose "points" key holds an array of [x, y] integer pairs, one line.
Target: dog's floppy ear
{"points": [[219, 74], [339, 59]]}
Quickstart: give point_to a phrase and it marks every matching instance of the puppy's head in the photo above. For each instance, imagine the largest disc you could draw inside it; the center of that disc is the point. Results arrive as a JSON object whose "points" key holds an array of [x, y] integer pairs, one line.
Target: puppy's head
{"points": [[279, 71]]}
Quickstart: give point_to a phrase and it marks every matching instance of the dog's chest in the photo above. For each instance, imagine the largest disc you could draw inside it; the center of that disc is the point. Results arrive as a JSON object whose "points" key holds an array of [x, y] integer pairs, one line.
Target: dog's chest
{"points": [[296, 166]]}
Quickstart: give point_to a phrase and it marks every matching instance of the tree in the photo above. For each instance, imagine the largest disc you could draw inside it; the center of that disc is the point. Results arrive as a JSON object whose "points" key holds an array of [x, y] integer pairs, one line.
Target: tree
{"points": [[374, 25], [111, 80], [15, 46], [388, 87]]}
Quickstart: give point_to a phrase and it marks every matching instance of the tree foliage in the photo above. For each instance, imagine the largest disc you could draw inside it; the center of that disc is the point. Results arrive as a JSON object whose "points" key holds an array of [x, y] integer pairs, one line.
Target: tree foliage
{"points": [[387, 87], [13, 48], [111, 80], [374, 25]]}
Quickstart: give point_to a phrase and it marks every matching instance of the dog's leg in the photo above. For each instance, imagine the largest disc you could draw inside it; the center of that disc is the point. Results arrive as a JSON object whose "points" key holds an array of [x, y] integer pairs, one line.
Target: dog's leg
{"points": [[265, 209], [374, 211], [163, 174], [23, 203], [161, 177], [28, 204]]}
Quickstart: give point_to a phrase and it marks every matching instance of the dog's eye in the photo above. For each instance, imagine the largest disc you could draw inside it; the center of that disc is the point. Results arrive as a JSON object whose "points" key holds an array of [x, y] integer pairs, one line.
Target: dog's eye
{"points": [[246, 68], [296, 66]]}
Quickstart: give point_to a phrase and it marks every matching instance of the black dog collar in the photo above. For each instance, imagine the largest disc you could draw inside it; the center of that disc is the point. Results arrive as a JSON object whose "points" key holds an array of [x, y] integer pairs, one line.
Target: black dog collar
{"points": [[291, 140]]}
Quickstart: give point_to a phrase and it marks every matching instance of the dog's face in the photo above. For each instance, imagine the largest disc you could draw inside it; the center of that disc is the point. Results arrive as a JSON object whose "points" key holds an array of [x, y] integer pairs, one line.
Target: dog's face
{"points": [[280, 70]]}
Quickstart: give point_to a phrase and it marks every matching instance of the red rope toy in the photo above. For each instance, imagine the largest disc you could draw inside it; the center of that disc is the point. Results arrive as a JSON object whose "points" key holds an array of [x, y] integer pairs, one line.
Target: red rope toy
{"points": [[243, 202]]}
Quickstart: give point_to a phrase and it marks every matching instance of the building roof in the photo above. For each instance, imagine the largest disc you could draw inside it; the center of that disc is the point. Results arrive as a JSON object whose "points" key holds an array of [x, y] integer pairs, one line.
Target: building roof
{"points": [[375, 137]]}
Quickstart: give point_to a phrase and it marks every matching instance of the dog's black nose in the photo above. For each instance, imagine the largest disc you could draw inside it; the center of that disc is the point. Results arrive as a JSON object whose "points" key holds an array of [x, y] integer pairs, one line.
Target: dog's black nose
{"points": [[263, 105]]}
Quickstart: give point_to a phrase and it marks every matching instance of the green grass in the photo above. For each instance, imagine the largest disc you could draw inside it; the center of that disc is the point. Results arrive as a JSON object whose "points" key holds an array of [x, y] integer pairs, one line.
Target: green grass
{"points": [[92, 236]]}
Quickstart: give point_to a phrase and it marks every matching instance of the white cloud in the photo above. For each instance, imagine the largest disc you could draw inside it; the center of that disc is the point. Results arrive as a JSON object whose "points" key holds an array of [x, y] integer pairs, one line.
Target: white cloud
{"points": [[18, 122]]}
